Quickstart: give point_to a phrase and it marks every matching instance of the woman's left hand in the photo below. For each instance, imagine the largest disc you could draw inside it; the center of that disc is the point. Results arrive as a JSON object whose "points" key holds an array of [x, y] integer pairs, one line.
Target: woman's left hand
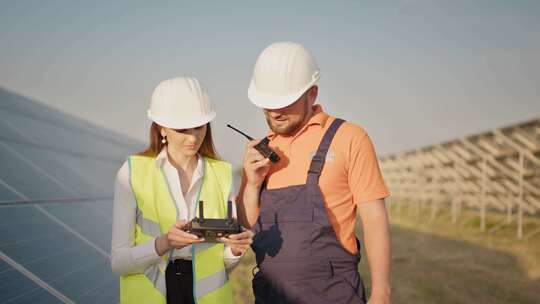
{"points": [[239, 242]]}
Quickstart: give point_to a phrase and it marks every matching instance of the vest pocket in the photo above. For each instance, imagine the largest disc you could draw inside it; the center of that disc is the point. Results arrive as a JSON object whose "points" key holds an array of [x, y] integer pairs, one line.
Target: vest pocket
{"points": [[285, 234]]}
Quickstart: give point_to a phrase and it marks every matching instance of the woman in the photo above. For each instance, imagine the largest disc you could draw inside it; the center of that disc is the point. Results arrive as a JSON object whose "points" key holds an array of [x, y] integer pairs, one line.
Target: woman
{"points": [[157, 193]]}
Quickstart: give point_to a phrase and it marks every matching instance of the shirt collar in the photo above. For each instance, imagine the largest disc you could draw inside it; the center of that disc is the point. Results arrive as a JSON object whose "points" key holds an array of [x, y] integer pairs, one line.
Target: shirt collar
{"points": [[319, 118], [162, 159]]}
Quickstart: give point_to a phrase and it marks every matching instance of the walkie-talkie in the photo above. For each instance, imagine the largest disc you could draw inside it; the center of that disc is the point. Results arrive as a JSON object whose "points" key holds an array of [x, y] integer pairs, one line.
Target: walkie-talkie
{"points": [[262, 146], [212, 229]]}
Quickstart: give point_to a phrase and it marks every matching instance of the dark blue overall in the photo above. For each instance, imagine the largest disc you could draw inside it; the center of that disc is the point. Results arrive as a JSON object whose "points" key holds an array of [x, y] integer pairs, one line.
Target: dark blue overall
{"points": [[299, 257]]}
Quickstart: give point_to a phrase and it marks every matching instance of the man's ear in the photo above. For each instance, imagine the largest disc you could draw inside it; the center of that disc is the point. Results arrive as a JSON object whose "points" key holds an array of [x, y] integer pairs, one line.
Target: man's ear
{"points": [[312, 94]]}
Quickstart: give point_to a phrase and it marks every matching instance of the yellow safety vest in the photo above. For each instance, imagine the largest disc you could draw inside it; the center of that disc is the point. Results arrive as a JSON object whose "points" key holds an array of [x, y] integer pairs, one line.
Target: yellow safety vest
{"points": [[156, 213]]}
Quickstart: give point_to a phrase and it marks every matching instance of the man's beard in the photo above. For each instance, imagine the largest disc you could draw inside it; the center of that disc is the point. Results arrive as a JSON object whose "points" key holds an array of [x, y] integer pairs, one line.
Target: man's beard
{"points": [[291, 128]]}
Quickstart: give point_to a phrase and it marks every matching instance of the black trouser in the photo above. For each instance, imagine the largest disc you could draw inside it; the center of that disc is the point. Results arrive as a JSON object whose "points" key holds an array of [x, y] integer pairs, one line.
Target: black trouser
{"points": [[179, 282]]}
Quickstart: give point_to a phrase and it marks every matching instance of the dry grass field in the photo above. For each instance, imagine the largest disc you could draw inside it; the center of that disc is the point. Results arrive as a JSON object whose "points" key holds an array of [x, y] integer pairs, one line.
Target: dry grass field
{"points": [[440, 262]]}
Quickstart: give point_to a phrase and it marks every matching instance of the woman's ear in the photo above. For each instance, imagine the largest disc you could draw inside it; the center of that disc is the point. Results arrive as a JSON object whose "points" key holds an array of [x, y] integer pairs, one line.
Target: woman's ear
{"points": [[162, 131]]}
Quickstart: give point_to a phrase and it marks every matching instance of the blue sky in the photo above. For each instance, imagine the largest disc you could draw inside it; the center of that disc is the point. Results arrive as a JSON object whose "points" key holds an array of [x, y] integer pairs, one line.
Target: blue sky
{"points": [[412, 72]]}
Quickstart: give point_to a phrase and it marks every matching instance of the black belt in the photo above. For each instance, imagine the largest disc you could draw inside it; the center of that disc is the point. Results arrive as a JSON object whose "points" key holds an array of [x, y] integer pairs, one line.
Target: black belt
{"points": [[182, 267]]}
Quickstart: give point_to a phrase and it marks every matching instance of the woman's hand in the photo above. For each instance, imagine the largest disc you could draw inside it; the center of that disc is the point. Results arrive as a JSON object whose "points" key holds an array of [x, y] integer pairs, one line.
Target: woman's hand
{"points": [[239, 242], [176, 238]]}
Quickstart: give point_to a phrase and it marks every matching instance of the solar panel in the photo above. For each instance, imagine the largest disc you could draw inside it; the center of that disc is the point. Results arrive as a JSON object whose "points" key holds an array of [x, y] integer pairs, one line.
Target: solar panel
{"points": [[17, 288], [56, 183]]}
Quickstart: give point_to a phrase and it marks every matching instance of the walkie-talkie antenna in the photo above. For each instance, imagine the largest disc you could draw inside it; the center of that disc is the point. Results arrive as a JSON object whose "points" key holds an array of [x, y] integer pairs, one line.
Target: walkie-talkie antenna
{"points": [[262, 146], [247, 136]]}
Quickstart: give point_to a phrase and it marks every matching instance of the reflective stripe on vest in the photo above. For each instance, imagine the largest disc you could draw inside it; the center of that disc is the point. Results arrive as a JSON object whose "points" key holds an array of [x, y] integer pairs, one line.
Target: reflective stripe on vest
{"points": [[156, 213]]}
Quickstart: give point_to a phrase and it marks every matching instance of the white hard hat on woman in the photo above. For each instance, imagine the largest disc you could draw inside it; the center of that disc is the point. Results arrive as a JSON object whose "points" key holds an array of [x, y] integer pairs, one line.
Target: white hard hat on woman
{"points": [[180, 103]]}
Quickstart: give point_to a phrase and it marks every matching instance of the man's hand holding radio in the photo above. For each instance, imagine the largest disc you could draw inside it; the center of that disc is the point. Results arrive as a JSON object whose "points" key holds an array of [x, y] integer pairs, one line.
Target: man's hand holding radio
{"points": [[256, 166]]}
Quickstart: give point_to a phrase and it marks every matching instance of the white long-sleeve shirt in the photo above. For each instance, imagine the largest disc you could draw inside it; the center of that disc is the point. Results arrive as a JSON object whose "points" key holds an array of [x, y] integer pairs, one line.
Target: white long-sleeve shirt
{"points": [[127, 258]]}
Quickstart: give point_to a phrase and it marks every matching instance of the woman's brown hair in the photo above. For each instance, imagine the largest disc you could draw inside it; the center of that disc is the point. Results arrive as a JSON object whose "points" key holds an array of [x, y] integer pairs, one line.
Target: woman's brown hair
{"points": [[207, 147]]}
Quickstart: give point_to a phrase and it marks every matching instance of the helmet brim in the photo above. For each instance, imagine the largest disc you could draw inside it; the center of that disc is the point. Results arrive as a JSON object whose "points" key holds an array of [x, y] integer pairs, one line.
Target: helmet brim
{"points": [[174, 124], [271, 101]]}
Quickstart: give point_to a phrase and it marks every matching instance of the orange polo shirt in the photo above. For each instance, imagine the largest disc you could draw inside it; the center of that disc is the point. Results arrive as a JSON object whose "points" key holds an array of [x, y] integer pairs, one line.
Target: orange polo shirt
{"points": [[350, 175]]}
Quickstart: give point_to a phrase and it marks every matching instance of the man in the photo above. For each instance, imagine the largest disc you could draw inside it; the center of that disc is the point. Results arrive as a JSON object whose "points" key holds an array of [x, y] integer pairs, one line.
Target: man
{"points": [[303, 208]]}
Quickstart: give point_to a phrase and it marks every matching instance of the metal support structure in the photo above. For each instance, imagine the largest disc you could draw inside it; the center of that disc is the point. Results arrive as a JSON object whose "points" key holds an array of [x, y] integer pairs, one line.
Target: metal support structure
{"points": [[483, 196], [494, 171], [520, 196]]}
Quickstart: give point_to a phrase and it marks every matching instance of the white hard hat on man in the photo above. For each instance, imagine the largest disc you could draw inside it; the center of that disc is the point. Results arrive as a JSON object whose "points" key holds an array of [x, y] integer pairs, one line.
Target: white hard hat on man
{"points": [[180, 103], [283, 72]]}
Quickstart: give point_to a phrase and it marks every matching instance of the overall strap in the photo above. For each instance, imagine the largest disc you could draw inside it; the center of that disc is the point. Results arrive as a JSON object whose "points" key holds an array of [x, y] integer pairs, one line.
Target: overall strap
{"points": [[318, 160]]}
